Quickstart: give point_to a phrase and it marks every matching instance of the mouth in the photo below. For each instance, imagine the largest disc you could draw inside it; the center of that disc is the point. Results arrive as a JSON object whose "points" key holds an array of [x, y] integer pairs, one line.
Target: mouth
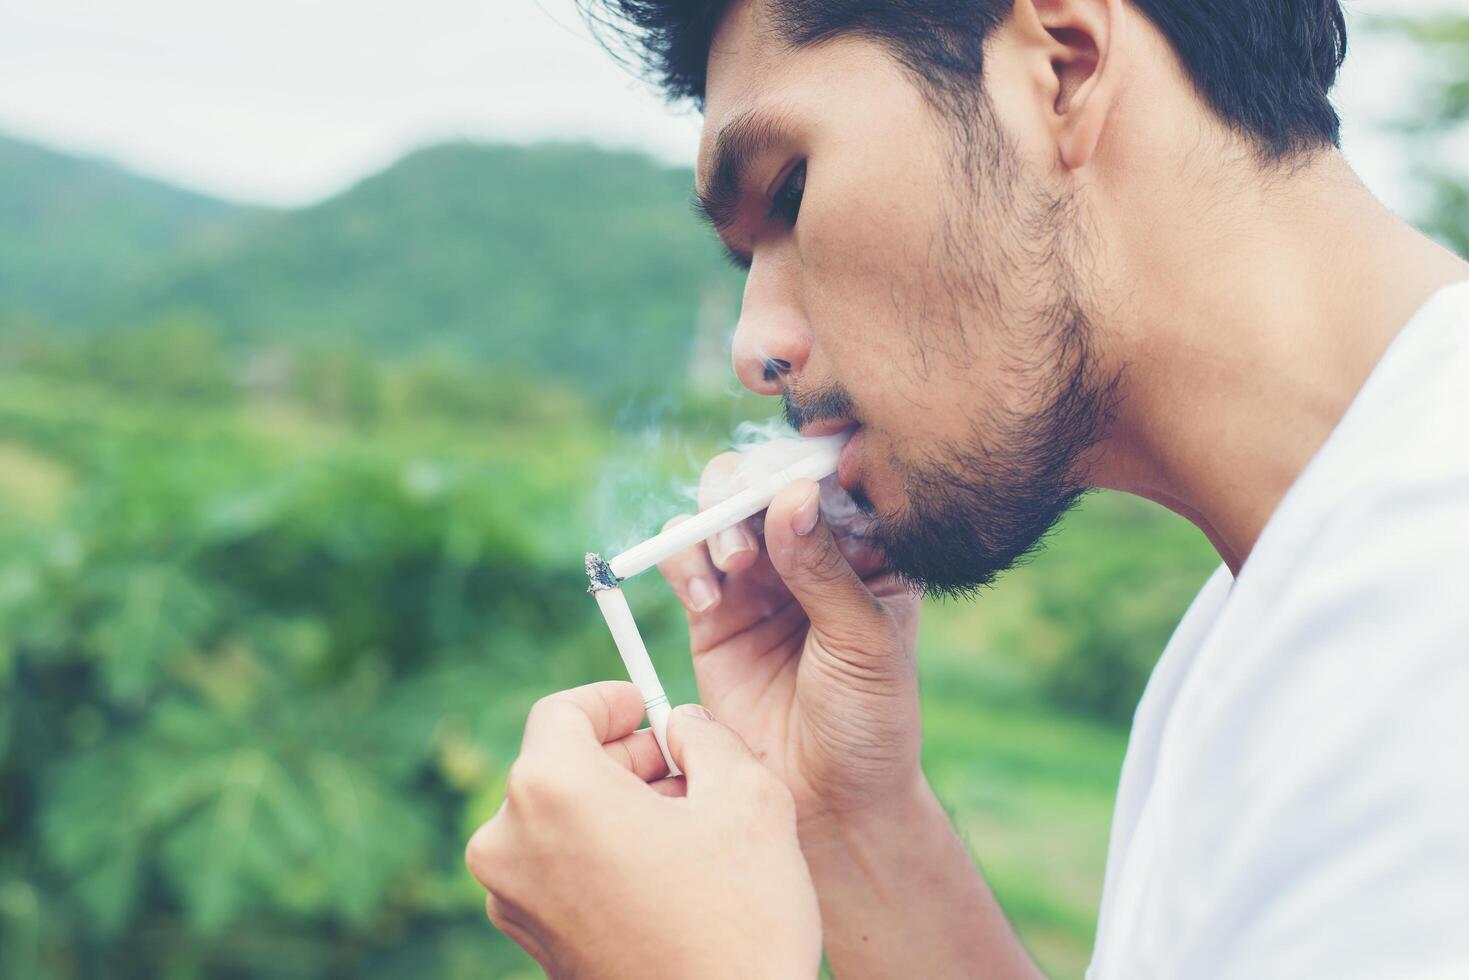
{"points": [[847, 461], [827, 427], [847, 475]]}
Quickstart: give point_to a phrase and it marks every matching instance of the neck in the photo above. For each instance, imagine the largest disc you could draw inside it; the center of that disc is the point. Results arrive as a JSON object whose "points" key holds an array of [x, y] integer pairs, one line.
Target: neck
{"points": [[1252, 329]]}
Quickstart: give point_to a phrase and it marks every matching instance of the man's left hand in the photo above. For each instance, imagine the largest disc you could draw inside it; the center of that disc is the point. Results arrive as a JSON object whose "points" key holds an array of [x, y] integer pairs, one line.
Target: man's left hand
{"points": [[599, 867]]}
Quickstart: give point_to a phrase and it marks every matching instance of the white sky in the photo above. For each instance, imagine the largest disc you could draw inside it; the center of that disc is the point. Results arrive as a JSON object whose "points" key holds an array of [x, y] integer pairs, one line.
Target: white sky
{"points": [[287, 101]]}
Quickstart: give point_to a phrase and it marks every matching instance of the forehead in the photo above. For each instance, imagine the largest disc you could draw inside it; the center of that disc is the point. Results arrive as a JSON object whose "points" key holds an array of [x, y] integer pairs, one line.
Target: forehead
{"points": [[742, 57], [839, 88]]}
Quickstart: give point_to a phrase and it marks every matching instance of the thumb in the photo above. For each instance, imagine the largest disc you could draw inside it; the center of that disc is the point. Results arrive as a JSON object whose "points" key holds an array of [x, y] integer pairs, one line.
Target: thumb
{"points": [[841, 607], [710, 754]]}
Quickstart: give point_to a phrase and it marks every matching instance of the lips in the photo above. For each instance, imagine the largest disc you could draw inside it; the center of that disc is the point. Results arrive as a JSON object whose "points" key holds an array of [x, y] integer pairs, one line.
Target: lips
{"points": [[826, 427], [847, 463]]}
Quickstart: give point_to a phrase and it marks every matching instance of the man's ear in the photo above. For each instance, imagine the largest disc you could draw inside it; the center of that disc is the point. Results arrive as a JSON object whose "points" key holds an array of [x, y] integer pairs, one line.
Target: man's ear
{"points": [[1083, 40]]}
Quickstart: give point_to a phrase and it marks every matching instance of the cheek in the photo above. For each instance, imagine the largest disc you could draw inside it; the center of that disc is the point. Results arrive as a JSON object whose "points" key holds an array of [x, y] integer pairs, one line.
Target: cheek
{"points": [[896, 320], [859, 283], [866, 244], [888, 284], [855, 297]]}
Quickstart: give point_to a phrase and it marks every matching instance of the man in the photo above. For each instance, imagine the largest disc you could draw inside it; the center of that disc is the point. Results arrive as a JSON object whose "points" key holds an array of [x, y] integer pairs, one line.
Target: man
{"points": [[1025, 247]]}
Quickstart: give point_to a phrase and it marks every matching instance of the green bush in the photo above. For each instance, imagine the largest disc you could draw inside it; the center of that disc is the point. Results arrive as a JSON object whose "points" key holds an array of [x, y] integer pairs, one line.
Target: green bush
{"points": [[254, 700]]}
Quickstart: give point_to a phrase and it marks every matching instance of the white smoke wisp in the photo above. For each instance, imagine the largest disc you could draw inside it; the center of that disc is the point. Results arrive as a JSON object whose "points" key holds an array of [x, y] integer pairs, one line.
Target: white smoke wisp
{"points": [[634, 492], [637, 498], [768, 446]]}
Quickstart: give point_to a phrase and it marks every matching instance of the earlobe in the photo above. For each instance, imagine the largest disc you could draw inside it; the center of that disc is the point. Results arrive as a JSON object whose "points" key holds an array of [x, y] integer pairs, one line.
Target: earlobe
{"points": [[1087, 45]]}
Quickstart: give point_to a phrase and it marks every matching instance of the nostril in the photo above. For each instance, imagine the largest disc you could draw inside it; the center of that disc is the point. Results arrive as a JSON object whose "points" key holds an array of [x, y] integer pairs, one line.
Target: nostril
{"points": [[775, 367]]}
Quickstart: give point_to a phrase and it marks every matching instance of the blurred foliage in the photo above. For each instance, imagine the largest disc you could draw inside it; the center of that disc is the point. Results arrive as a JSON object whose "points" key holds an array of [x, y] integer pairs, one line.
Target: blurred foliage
{"points": [[458, 250], [1092, 617], [291, 514], [256, 691], [74, 231], [1438, 125]]}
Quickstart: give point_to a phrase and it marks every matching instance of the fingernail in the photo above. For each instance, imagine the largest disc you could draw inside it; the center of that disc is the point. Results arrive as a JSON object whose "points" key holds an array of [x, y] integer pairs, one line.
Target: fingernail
{"points": [[803, 519], [702, 594], [731, 541], [694, 710]]}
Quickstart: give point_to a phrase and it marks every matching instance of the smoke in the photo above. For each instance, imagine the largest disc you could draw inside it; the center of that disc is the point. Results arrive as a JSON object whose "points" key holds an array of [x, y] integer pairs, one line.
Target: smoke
{"points": [[645, 476], [641, 485], [767, 446]]}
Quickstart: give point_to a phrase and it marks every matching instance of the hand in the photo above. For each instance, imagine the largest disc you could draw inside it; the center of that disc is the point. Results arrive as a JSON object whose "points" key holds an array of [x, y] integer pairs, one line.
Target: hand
{"points": [[597, 870], [807, 651], [810, 662]]}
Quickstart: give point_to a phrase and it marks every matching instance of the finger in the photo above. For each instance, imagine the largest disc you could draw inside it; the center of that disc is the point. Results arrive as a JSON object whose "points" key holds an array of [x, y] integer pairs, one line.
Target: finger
{"points": [[747, 599], [506, 919], [841, 607], [639, 754], [712, 756], [692, 575], [673, 786], [583, 718], [735, 548]]}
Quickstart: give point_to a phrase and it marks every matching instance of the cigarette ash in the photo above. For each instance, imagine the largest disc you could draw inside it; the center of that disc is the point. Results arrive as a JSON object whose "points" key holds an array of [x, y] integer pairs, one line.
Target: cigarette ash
{"points": [[599, 573]]}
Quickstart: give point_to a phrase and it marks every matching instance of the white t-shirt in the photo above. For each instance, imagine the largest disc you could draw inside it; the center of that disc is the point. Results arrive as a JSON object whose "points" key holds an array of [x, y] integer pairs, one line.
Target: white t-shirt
{"points": [[1295, 798]]}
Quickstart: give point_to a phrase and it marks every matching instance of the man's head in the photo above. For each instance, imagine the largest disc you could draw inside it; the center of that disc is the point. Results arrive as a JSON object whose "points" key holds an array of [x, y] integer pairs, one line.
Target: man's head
{"points": [[941, 204]]}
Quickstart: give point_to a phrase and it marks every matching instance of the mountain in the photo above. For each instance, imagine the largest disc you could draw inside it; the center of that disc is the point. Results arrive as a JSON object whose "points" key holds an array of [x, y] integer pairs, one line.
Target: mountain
{"points": [[558, 260], [75, 230]]}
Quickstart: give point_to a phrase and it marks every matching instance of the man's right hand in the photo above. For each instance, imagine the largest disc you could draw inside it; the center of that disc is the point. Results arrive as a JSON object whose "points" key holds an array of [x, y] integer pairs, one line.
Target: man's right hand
{"points": [[806, 650]]}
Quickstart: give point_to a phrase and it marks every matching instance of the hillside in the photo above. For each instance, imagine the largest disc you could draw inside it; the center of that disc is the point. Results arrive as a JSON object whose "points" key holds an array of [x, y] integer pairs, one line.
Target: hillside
{"points": [[75, 230], [558, 261]]}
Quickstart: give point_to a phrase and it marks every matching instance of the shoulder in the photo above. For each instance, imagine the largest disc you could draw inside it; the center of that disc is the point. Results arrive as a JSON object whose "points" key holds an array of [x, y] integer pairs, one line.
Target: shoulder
{"points": [[1312, 791], [1374, 534], [1347, 631]]}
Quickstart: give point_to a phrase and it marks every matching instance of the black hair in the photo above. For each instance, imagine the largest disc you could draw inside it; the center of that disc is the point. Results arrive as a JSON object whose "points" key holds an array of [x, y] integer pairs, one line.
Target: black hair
{"points": [[1264, 66]]}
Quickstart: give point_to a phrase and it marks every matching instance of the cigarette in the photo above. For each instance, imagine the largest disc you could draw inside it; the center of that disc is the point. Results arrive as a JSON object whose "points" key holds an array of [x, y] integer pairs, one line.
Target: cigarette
{"points": [[607, 577], [820, 463], [633, 651]]}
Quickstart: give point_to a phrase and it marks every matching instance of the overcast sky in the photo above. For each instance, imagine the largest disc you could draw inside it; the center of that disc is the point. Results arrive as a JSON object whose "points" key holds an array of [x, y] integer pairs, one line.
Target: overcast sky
{"points": [[288, 101]]}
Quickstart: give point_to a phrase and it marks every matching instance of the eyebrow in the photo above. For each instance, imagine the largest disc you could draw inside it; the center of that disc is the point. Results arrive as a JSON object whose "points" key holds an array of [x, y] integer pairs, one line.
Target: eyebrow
{"points": [[739, 142]]}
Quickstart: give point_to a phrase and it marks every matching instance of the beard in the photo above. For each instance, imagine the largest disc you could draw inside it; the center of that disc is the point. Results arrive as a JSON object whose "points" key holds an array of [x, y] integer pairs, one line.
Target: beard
{"points": [[983, 504], [979, 508]]}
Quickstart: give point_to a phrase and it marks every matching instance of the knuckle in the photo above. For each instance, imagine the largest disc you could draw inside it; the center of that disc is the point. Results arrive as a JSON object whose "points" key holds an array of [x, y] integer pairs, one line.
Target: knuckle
{"points": [[532, 785], [499, 914], [474, 855], [538, 711], [482, 853]]}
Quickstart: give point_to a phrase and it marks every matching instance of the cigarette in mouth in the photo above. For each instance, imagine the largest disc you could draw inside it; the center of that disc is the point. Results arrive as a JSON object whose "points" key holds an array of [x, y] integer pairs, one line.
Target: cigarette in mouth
{"points": [[606, 577], [818, 464]]}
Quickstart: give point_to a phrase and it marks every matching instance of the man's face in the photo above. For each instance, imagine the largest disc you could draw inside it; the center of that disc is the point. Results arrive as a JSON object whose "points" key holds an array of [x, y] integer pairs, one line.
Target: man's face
{"points": [[912, 275]]}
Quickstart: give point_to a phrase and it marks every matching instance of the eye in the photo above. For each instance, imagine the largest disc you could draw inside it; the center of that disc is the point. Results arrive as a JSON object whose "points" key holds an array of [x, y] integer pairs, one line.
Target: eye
{"points": [[786, 203]]}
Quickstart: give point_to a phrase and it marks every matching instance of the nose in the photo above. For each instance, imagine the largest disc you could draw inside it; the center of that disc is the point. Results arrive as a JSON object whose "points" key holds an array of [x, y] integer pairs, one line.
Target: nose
{"points": [[773, 338]]}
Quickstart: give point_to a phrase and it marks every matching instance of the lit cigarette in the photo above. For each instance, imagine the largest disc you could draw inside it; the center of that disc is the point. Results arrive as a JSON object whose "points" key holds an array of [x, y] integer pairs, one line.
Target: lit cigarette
{"points": [[606, 577], [633, 651]]}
